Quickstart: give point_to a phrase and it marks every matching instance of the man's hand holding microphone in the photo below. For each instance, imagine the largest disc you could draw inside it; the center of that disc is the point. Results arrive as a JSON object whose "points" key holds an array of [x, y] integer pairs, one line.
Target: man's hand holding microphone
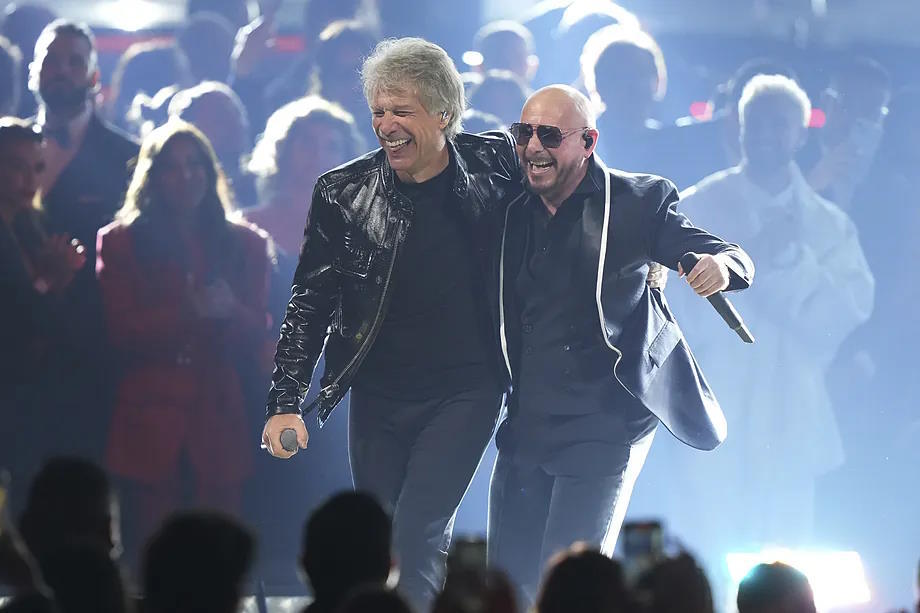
{"points": [[284, 435]]}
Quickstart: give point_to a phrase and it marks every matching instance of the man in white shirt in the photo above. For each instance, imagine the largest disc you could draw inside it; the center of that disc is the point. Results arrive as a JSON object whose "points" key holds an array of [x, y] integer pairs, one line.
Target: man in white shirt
{"points": [[814, 287]]}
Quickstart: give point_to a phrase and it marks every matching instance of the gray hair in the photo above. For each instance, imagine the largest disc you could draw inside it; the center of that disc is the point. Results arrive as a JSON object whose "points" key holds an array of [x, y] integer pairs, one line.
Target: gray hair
{"points": [[418, 66], [775, 86]]}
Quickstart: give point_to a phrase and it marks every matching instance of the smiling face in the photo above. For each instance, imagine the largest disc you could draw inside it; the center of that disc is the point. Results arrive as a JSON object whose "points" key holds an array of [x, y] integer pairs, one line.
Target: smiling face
{"points": [[554, 174], [412, 137]]}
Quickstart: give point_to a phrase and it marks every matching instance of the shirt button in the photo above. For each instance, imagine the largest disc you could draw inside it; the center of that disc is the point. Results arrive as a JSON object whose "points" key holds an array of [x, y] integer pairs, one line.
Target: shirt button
{"points": [[566, 347], [528, 328]]}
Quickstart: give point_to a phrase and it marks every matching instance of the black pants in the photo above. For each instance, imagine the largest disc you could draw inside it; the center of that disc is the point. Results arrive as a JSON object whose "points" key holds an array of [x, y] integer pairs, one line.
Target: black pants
{"points": [[418, 458], [534, 511]]}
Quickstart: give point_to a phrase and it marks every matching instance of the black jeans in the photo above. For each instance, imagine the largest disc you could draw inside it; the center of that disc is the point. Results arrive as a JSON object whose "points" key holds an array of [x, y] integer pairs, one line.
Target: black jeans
{"points": [[534, 511], [418, 458]]}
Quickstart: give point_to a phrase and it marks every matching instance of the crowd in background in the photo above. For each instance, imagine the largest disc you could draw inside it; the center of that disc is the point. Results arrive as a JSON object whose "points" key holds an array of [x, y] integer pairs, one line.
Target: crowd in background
{"points": [[151, 219]]}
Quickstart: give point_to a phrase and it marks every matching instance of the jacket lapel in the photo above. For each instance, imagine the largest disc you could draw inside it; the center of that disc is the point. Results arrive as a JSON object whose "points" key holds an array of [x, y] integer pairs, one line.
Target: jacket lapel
{"points": [[511, 257]]}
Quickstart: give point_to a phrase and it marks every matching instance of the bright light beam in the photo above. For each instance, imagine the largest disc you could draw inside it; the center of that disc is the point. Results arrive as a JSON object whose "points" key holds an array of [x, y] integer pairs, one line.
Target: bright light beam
{"points": [[837, 578]]}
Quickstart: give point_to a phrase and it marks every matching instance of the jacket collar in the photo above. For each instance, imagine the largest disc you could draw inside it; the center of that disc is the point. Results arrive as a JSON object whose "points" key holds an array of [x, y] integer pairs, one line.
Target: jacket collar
{"points": [[461, 176]]}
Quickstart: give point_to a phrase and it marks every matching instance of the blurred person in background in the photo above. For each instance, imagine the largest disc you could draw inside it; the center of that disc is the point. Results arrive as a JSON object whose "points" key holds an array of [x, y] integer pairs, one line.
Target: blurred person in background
{"points": [[20, 578], [506, 45], [197, 562], [86, 159], [474, 588], [882, 206], [583, 580], [185, 294], [710, 144], [83, 578], [565, 26], [265, 85], [814, 288], [236, 12], [207, 39], [453, 29], [23, 22], [378, 599], [347, 542], [889, 223], [35, 271], [872, 379], [86, 170], [500, 93], [143, 70], [624, 74], [674, 585], [340, 50], [10, 77], [302, 140], [855, 103], [775, 588], [217, 111], [70, 501]]}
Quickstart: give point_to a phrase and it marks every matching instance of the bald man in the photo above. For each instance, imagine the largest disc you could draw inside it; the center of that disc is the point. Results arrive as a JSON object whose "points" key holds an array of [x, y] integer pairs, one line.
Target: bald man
{"points": [[595, 355]]}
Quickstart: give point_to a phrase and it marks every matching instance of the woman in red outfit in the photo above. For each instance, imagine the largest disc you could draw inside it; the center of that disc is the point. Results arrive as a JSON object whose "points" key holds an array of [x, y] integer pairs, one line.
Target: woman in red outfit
{"points": [[185, 293]]}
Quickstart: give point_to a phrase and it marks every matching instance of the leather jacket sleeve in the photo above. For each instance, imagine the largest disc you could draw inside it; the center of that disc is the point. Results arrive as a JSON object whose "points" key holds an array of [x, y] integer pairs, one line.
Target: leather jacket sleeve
{"points": [[308, 313]]}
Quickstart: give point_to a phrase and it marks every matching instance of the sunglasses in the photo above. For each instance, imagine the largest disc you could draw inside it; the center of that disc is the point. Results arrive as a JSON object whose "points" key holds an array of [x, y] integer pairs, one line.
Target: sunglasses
{"points": [[550, 136]]}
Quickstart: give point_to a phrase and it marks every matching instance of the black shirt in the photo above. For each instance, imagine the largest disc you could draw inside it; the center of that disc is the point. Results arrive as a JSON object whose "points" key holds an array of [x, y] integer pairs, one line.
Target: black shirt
{"points": [[563, 363], [567, 409], [436, 337]]}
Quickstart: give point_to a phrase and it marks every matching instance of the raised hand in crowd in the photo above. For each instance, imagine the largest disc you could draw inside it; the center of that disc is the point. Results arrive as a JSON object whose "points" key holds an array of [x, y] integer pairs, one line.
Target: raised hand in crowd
{"points": [[253, 43], [58, 260]]}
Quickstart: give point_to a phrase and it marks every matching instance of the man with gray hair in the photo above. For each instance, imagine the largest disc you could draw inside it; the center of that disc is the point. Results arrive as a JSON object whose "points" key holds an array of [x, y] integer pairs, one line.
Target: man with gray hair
{"points": [[394, 283]]}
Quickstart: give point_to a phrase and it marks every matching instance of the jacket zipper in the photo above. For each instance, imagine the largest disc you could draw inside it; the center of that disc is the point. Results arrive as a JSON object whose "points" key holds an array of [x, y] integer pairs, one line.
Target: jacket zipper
{"points": [[330, 390]]}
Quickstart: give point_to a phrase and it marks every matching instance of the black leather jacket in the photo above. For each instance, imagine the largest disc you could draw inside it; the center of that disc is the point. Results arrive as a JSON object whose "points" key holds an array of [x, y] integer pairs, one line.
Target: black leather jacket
{"points": [[355, 228]]}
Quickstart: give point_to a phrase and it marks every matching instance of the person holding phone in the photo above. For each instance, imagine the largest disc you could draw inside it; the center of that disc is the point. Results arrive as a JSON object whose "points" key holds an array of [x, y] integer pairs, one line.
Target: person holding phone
{"points": [[838, 157]]}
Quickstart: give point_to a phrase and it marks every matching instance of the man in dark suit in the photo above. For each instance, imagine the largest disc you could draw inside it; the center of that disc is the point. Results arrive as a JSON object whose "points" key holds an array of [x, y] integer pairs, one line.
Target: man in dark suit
{"points": [[596, 358], [86, 159], [84, 180]]}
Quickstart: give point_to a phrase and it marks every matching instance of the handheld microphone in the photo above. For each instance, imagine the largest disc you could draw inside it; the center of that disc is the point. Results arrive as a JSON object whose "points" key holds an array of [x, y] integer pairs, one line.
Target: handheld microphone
{"points": [[720, 303], [289, 440]]}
